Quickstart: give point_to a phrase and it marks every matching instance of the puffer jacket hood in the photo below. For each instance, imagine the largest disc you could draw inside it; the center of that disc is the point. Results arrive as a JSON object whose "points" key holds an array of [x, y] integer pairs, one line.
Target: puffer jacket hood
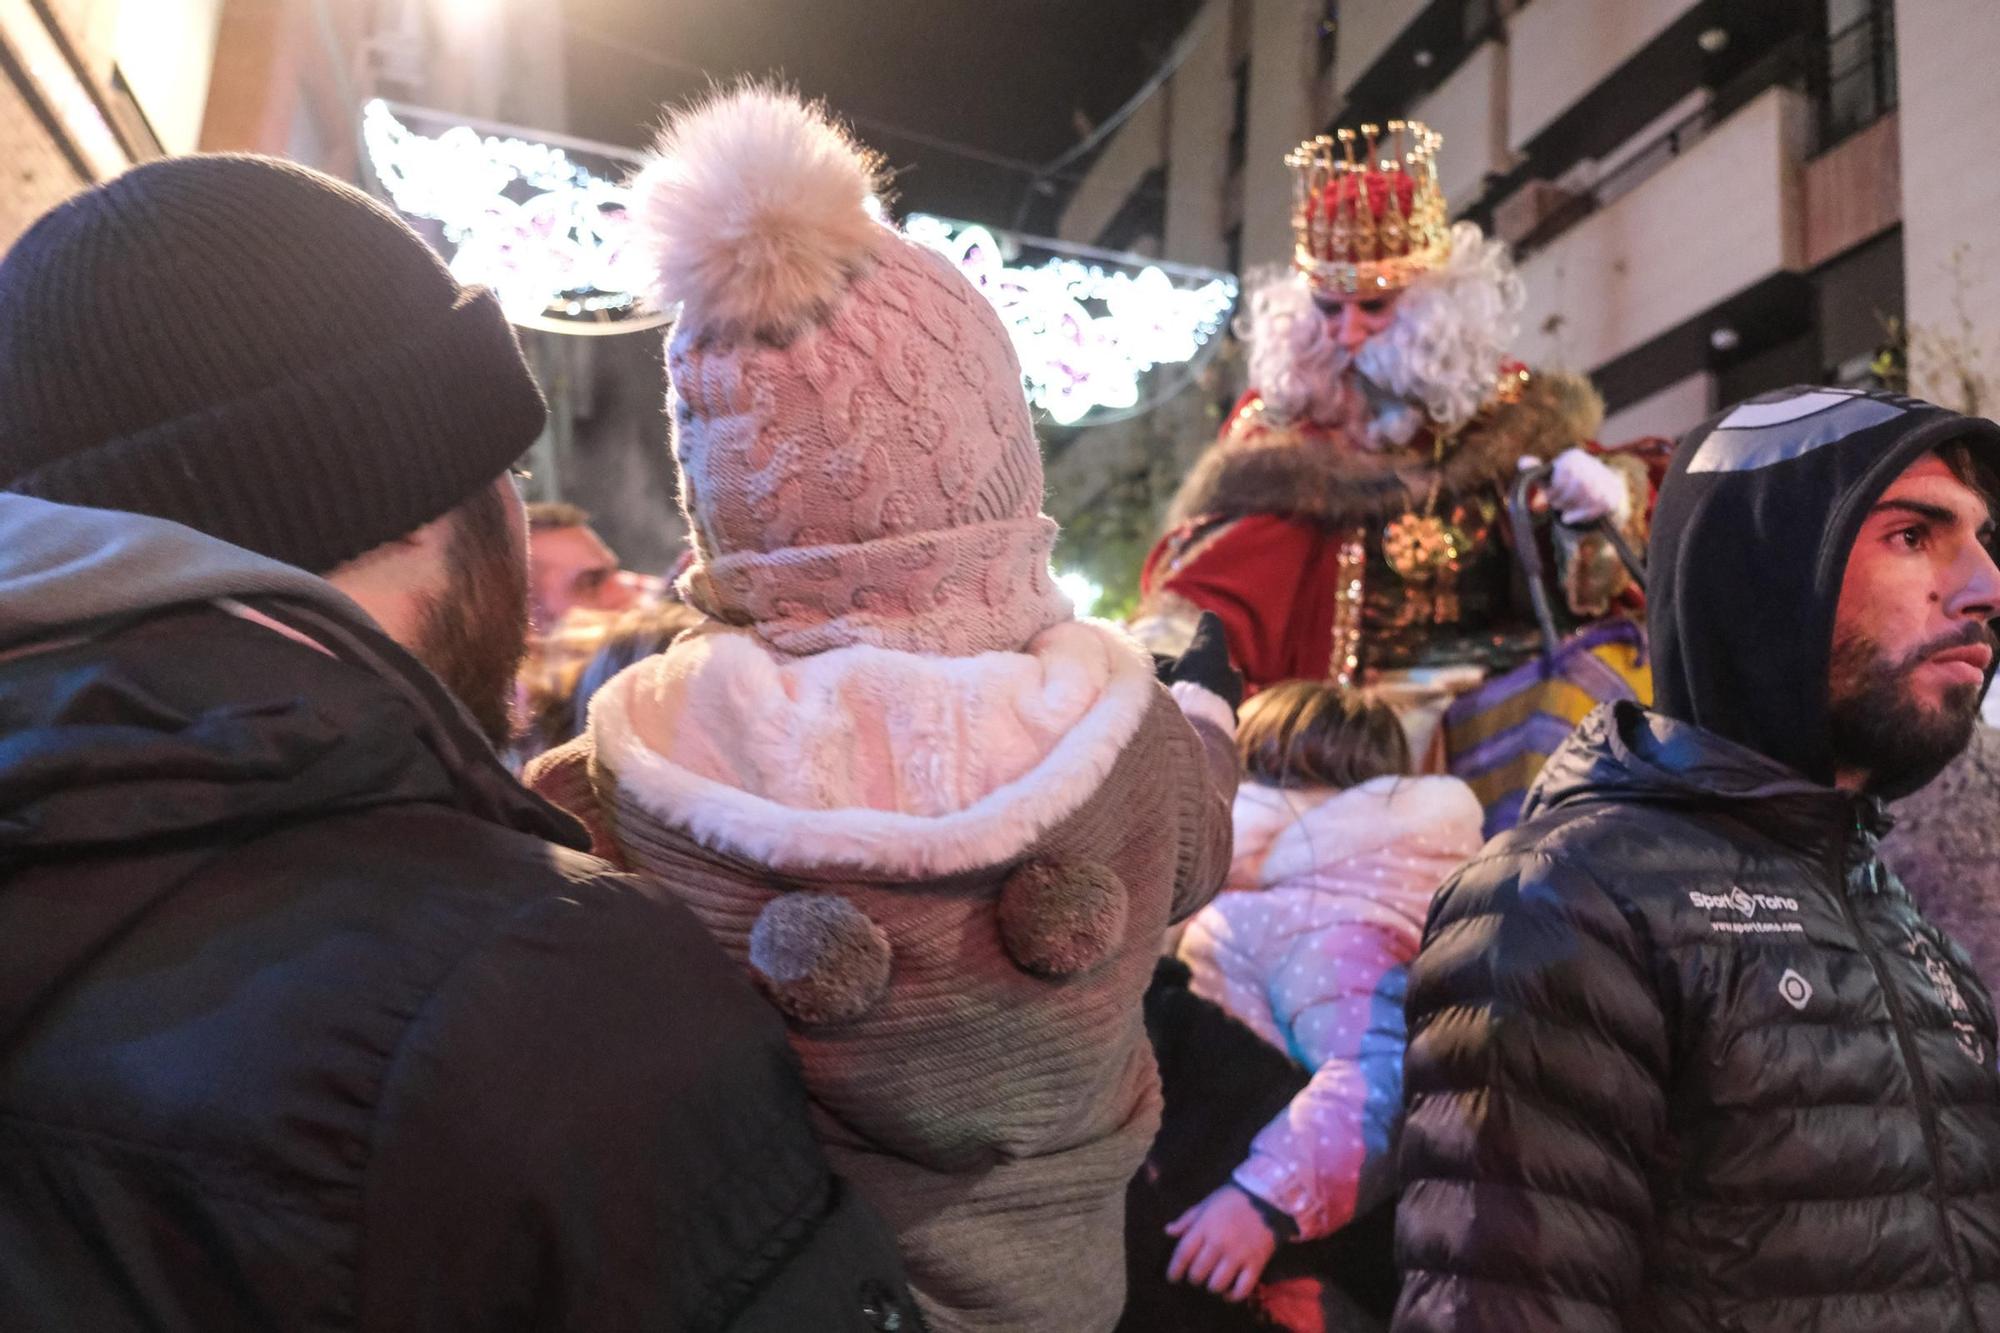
{"points": [[1779, 485], [891, 765]]}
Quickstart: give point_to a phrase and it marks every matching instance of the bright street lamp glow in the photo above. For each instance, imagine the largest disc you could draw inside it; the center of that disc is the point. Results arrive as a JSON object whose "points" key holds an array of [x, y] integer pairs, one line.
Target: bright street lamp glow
{"points": [[1081, 591]]}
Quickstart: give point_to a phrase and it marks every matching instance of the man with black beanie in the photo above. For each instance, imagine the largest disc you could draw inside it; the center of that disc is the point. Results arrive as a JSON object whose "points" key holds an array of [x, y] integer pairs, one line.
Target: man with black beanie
{"points": [[310, 1016], [1683, 1055]]}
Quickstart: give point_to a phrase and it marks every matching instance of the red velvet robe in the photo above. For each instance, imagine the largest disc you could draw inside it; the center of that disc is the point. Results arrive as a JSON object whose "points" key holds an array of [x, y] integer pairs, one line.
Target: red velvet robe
{"points": [[1266, 557]]}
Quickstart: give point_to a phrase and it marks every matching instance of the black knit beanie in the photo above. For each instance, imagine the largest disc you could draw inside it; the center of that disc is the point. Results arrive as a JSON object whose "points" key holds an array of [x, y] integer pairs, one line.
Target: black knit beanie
{"points": [[255, 350]]}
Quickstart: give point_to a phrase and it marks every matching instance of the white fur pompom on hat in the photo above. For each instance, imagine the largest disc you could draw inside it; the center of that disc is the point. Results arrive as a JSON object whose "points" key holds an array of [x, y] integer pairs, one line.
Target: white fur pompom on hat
{"points": [[754, 212]]}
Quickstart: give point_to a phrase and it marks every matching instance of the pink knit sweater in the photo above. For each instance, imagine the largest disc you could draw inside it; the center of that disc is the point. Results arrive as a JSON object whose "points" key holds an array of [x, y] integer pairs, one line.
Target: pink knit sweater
{"points": [[953, 875]]}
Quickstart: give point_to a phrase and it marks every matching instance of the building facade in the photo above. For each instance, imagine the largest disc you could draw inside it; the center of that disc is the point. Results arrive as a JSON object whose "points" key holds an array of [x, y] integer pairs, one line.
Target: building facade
{"points": [[1707, 199], [91, 87]]}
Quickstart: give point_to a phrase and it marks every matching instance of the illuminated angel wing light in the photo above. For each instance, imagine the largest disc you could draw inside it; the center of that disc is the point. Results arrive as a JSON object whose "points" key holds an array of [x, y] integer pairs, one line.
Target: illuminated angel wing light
{"points": [[1087, 324], [520, 215]]}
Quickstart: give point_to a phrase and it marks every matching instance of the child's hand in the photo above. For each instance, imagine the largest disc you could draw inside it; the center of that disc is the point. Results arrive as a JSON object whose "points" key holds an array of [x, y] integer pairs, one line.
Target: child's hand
{"points": [[1225, 1244]]}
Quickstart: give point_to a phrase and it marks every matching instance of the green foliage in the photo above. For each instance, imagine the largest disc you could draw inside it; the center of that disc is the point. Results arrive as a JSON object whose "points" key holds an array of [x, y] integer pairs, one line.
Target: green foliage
{"points": [[1108, 531], [1107, 541]]}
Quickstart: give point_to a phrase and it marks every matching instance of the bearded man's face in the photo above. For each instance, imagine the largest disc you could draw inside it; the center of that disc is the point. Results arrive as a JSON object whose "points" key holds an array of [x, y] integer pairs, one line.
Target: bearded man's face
{"points": [[1371, 413], [1913, 642]]}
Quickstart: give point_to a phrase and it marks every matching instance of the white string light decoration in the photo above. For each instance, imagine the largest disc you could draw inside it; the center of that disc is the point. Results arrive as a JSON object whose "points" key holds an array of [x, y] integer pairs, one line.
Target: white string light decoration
{"points": [[1077, 359], [523, 218], [551, 239]]}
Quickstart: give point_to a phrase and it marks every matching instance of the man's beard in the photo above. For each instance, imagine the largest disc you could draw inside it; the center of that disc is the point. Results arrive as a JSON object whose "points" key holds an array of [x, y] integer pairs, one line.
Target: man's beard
{"points": [[1386, 415], [1365, 413], [1878, 725], [474, 634]]}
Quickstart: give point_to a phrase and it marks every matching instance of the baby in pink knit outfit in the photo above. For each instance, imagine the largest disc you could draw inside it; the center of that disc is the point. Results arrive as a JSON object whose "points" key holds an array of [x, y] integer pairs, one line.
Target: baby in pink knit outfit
{"points": [[941, 822]]}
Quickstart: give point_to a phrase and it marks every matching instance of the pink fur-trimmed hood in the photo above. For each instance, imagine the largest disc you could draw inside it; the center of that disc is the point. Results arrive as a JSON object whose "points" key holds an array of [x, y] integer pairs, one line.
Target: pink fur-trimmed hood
{"points": [[883, 763]]}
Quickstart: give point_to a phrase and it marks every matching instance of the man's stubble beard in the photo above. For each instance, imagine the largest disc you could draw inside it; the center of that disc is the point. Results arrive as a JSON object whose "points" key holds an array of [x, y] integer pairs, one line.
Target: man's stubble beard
{"points": [[1878, 725], [474, 633]]}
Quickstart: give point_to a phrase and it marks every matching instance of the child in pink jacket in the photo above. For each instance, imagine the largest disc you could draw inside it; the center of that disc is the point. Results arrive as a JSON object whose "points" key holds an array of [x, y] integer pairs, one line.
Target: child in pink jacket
{"points": [[1337, 855]]}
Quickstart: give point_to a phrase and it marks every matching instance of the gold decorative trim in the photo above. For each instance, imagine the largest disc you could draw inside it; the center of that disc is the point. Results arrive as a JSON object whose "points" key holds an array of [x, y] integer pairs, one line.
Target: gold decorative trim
{"points": [[1350, 592]]}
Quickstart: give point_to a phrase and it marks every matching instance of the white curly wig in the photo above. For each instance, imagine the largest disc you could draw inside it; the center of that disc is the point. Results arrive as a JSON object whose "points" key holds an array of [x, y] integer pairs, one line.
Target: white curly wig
{"points": [[1451, 329]]}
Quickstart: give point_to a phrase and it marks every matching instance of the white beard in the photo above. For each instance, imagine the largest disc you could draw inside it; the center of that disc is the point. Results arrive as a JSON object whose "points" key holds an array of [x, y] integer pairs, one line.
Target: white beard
{"points": [[1387, 421], [1395, 424]]}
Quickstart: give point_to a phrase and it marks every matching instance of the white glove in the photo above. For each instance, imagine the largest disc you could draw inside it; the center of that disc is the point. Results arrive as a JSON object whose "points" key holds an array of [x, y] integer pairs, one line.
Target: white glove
{"points": [[1583, 489]]}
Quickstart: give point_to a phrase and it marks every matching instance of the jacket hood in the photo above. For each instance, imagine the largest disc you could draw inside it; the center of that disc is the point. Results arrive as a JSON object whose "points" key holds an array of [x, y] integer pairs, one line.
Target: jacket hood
{"points": [[63, 567], [156, 683], [1621, 752], [1750, 541], [881, 762], [1299, 835]]}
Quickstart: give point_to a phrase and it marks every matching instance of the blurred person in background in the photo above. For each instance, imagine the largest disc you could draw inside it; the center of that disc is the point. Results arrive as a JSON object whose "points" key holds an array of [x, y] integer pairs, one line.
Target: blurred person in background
{"points": [[573, 569]]}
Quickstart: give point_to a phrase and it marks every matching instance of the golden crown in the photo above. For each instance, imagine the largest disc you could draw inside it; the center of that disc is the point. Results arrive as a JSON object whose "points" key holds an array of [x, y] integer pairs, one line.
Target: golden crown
{"points": [[1364, 227]]}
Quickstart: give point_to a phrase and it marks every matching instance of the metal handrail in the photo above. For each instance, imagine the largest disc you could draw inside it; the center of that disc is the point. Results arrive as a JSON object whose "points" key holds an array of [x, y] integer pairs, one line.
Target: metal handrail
{"points": [[1528, 551]]}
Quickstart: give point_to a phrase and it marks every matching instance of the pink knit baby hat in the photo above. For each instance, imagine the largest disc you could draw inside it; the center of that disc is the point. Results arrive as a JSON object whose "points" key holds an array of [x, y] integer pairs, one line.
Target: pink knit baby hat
{"points": [[856, 457]]}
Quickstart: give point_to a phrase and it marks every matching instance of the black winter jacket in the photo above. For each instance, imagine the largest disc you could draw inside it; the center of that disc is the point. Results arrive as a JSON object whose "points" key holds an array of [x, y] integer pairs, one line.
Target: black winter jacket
{"points": [[1683, 1055], [307, 1024]]}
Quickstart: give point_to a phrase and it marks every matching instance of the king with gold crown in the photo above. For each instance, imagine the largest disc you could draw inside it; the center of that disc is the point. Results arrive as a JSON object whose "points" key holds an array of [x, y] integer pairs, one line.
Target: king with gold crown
{"points": [[1348, 522]]}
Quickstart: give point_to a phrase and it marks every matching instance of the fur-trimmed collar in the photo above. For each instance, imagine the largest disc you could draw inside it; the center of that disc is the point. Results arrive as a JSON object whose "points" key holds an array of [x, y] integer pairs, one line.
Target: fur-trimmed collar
{"points": [[1307, 472], [886, 764]]}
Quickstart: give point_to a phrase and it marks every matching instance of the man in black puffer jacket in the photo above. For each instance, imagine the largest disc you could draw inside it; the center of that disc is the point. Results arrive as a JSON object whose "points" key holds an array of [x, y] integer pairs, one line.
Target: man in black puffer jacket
{"points": [[1683, 1055], [311, 1017]]}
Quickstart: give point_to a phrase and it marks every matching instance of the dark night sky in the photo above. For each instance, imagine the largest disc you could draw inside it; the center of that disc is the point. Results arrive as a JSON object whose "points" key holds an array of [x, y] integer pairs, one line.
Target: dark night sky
{"points": [[1006, 77]]}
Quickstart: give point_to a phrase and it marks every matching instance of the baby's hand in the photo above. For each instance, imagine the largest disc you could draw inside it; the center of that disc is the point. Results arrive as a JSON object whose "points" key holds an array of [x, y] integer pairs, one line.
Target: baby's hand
{"points": [[1225, 1244]]}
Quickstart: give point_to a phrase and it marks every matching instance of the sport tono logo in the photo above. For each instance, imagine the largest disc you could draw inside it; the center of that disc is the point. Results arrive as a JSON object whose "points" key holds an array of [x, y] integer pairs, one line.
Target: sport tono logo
{"points": [[1742, 900], [1742, 908]]}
